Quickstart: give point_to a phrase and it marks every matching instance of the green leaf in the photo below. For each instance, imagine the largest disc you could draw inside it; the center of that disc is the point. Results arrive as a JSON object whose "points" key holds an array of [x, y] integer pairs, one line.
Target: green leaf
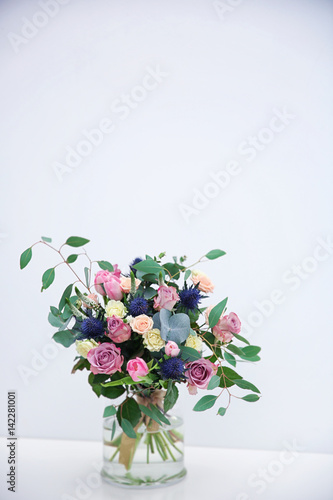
{"points": [[76, 241], [72, 258], [214, 382], [66, 294], [221, 411], [149, 293], [130, 411], [217, 312], [113, 431], [128, 428], [149, 266], [215, 254], [64, 337], [244, 384], [149, 413], [229, 376], [48, 278], [157, 413], [171, 396], [87, 276], [205, 403], [251, 398], [253, 359], [112, 392], [242, 339], [230, 358], [124, 380], [105, 265], [189, 354], [172, 270], [236, 350], [251, 350], [55, 321], [109, 411], [187, 274], [47, 240], [25, 258]]}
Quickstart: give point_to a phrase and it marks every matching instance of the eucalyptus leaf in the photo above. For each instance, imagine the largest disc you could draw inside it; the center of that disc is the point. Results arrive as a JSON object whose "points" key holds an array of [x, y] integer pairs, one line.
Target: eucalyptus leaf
{"points": [[76, 241], [128, 428], [215, 254], [48, 278], [109, 411], [214, 382], [105, 265], [205, 403], [217, 312], [25, 258]]}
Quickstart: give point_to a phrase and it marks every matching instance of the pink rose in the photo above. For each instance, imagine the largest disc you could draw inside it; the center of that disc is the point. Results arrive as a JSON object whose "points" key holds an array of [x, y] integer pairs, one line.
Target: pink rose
{"points": [[199, 373], [116, 271], [222, 335], [137, 368], [113, 288], [125, 284], [118, 331], [142, 324], [171, 349], [106, 358], [166, 298], [230, 322], [101, 277]]}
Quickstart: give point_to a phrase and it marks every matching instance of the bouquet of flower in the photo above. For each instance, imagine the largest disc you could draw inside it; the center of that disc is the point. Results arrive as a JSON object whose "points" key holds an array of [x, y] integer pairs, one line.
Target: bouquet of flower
{"points": [[144, 330]]}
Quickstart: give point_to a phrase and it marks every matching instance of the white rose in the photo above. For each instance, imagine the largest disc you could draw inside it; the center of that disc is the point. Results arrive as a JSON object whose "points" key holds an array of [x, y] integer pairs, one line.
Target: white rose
{"points": [[115, 308], [194, 341], [84, 346], [153, 340]]}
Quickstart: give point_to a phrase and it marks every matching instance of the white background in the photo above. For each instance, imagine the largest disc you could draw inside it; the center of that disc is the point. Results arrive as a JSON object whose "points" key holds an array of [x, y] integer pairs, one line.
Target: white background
{"points": [[225, 76]]}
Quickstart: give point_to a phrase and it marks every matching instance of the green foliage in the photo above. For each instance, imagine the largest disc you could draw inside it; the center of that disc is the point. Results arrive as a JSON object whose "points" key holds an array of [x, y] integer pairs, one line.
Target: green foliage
{"points": [[25, 258], [215, 254], [230, 358], [47, 240], [109, 411], [221, 411], [171, 396], [72, 258], [214, 382], [244, 384], [128, 428], [217, 312], [189, 354], [105, 265], [48, 278], [251, 398], [76, 241], [149, 266], [205, 403], [64, 337], [129, 410], [65, 295]]}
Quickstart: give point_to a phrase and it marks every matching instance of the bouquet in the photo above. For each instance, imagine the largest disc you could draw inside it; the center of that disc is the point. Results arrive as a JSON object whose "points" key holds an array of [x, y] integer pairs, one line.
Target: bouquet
{"points": [[143, 331]]}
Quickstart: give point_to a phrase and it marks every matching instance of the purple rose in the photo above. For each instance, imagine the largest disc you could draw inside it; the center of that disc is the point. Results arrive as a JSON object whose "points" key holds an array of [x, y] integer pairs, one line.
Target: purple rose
{"points": [[118, 331], [106, 358], [199, 373]]}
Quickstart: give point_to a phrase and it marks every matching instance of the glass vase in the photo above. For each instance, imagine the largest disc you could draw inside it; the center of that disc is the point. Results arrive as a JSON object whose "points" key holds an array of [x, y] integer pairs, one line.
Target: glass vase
{"points": [[155, 458]]}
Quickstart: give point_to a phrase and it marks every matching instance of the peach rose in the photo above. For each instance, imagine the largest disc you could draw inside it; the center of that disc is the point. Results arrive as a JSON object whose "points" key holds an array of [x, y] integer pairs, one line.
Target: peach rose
{"points": [[125, 284], [141, 324], [205, 283]]}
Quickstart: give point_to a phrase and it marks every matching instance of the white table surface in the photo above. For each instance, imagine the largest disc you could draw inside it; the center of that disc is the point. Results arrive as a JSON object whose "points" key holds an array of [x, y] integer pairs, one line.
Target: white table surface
{"points": [[53, 470]]}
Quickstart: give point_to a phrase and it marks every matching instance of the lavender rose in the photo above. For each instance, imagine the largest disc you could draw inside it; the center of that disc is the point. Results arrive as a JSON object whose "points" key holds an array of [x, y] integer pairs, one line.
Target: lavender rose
{"points": [[199, 373], [106, 358]]}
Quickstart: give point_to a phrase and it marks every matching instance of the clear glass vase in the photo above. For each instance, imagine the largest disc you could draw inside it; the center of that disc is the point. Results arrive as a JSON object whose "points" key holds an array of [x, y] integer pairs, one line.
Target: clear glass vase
{"points": [[155, 458]]}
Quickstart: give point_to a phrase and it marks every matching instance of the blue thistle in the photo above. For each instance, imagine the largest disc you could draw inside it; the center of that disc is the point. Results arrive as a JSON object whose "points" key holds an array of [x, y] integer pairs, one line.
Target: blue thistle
{"points": [[190, 298], [138, 306], [173, 368], [135, 261], [92, 328]]}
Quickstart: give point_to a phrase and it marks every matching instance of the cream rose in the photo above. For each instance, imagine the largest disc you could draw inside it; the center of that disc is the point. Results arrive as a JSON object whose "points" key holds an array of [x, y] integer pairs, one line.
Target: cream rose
{"points": [[153, 340], [141, 324], [84, 346], [194, 341], [205, 284], [125, 284], [115, 308]]}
